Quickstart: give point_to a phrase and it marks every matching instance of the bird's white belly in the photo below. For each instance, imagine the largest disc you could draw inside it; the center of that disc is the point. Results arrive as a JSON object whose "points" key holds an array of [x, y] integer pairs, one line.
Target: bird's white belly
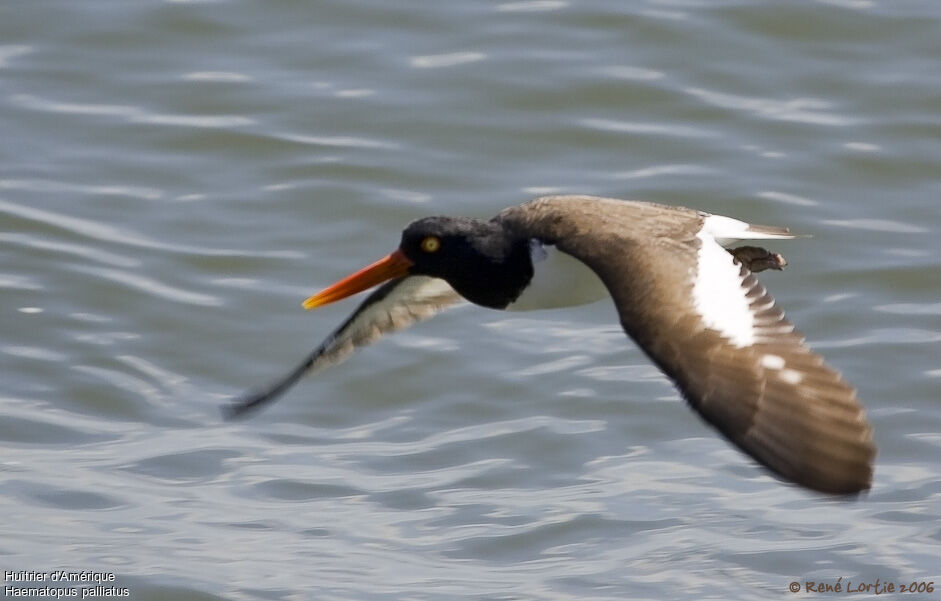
{"points": [[559, 280]]}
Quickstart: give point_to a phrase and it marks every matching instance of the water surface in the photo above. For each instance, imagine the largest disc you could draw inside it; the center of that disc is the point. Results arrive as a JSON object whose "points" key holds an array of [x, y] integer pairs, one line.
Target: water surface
{"points": [[176, 177]]}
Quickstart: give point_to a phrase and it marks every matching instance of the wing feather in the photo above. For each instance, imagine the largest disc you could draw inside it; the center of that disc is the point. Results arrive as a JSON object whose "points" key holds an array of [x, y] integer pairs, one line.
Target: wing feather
{"points": [[775, 399], [766, 391], [393, 306]]}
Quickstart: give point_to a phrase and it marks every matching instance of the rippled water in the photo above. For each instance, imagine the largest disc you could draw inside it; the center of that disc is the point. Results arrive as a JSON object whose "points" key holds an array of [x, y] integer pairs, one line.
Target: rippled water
{"points": [[175, 177]]}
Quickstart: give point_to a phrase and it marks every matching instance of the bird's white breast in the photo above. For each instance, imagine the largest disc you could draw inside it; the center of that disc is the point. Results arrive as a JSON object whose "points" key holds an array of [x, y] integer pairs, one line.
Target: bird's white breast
{"points": [[559, 280]]}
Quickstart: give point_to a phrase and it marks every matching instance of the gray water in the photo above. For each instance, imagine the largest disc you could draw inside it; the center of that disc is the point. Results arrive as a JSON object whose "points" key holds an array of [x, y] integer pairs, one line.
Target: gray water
{"points": [[176, 177]]}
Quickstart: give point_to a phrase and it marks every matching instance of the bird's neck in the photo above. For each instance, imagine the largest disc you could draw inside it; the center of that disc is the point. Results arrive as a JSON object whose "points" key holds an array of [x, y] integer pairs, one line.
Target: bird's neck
{"points": [[495, 279]]}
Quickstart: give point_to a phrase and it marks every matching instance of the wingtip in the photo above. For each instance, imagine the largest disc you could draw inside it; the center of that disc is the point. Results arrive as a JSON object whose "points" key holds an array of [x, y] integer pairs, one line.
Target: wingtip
{"points": [[234, 411], [242, 407], [849, 491]]}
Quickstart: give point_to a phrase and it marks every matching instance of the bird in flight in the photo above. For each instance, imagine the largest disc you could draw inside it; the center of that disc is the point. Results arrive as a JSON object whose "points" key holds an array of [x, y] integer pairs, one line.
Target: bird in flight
{"points": [[682, 289]]}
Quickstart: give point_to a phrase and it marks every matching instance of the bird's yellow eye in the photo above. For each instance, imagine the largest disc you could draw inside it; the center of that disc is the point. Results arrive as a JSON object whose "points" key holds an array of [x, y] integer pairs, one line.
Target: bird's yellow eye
{"points": [[431, 244]]}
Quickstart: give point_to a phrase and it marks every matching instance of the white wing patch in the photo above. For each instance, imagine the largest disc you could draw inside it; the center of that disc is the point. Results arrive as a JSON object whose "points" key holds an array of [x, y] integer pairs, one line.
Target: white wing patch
{"points": [[791, 376], [718, 293], [773, 361], [776, 363]]}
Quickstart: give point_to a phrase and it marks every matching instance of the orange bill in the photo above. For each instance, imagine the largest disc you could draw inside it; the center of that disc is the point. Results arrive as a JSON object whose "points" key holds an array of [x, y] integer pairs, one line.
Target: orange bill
{"points": [[393, 266]]}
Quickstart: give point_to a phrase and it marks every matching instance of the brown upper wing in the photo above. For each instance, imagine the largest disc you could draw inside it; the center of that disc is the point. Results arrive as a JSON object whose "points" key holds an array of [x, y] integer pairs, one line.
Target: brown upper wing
{"points": [[774, 398]]}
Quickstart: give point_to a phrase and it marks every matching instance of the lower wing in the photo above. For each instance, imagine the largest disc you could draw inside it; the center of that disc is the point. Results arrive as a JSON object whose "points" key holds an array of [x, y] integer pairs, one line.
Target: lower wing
{"points": [[740, 364], [393, 306]]}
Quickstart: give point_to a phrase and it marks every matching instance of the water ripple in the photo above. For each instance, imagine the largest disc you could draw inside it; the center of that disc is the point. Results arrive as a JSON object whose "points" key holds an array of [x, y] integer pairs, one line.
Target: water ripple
{"points": [[338, 141], [558, 336], [34, 352], [636, 127], [630, 73], [564, 363], [622, 373], [86, 252], [354, 93], [130, 113], [437, 61], [35, 430], [208, 121], [96, 190], [658, 170], [537, 462], [107, 233], [60, 497], [862, 146], [878, 225], [911, 308], [851, 4], [123, 381], [105, 338], [791, 199], [673, 15], [49, 425], [183, 466], [40, 104], [216, 76], [530, 6], [405, 195], [804, 110], [173, 382], [885, 336], [151, 286], [11, 51], [480, 432], [542, 190], [10, 281]]}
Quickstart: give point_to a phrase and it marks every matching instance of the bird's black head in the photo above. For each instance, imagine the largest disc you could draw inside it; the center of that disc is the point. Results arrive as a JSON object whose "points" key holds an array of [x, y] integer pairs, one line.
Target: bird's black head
{"points": [[481, 260]]}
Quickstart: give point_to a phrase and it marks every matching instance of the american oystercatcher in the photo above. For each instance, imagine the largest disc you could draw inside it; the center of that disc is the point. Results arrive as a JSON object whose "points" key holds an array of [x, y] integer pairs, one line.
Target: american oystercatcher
{"points": [[693, 306]]}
